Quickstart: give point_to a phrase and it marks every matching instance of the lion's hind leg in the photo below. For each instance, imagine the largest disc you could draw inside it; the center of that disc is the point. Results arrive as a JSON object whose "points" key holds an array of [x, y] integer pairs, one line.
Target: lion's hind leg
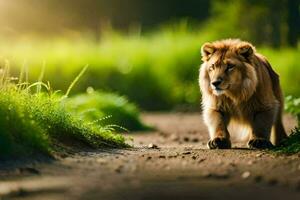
{"points": [[261, 125]]}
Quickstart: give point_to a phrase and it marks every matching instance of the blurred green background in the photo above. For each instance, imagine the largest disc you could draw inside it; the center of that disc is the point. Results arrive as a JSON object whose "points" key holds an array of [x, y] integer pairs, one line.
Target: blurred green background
{"points": [[147, 50]]}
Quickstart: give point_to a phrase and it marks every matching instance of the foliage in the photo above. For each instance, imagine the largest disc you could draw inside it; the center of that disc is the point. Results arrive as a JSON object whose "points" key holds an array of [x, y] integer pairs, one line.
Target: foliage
{"points": [[157, 71], [32, 122], [272, 23], [292, 105], [106, 109], [292, 143]]}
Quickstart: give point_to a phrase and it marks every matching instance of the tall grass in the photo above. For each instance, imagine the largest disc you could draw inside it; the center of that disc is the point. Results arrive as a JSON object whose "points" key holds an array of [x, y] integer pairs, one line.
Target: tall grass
{"points": [[35, 122]]}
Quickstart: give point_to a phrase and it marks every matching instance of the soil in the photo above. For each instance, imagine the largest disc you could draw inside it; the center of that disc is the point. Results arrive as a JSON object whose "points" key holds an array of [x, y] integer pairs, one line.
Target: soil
{"points": [[171, 162]]}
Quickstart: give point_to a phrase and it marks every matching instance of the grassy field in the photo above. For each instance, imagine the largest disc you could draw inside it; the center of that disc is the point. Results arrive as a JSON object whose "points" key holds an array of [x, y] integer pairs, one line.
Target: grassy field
{"points": [[158, 71]]}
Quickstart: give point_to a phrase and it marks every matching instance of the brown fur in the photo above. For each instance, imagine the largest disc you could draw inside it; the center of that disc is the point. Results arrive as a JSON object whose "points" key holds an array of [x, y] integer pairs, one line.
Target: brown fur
{"points": [[248, 92]]}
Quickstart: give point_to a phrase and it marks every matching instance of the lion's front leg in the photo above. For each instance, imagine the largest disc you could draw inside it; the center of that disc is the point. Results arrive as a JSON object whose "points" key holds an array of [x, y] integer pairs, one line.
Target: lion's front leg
{"points": [[217, 126], [261, 125]]}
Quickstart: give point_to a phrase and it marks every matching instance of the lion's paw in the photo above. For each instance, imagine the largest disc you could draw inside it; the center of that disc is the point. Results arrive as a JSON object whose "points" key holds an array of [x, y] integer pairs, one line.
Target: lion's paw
{"points": [[259, 143], [219, 143]]}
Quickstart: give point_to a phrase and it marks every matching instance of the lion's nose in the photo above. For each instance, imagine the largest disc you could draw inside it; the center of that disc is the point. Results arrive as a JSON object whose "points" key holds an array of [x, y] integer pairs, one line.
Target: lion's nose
{"points": [[217, 82]]}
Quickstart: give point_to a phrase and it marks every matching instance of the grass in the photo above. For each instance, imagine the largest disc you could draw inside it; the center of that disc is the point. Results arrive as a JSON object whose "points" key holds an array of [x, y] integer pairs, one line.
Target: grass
{"points": [[292, 105], [35, 122], [158, 70], [106, 109], [292, 143]]}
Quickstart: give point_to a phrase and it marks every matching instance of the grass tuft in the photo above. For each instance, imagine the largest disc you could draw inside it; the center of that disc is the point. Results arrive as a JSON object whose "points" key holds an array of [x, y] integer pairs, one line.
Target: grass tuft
{"points": [[106, 109], [35, 122]]}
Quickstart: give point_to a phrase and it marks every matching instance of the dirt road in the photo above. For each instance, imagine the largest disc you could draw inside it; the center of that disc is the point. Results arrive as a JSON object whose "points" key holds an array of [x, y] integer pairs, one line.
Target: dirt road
{"points": [[179, 168]]}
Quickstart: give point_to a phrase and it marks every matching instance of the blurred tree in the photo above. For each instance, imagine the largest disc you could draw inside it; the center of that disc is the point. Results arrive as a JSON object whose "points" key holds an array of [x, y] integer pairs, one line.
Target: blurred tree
{"points": [[265, 22], [50, 16], [293, 21]]}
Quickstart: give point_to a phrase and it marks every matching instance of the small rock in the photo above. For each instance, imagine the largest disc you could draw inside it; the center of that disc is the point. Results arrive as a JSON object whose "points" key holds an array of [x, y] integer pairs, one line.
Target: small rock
{"points": [[259, 155], [149, 158], [201, 160], [195, 140], [194, 157], [186, 153], [186, 139], [152, 146], [162, 156], [246, 175]]}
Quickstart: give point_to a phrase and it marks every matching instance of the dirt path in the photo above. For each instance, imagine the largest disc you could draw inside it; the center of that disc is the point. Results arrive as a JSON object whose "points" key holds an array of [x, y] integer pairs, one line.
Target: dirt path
{"points": [[180, 168]]}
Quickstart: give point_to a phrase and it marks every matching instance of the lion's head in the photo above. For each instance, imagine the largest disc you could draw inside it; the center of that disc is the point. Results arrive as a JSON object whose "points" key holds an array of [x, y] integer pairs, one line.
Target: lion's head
{"points": [[228, 69]]}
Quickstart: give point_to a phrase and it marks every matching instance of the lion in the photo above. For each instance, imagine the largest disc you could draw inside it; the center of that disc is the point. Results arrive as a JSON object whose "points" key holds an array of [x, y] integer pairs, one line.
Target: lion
{"points": [[238, 84]]}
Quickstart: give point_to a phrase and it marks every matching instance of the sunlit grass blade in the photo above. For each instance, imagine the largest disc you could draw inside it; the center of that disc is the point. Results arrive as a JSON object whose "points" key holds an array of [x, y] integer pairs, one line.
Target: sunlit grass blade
{"points": [[40, 79], [75, 81]]}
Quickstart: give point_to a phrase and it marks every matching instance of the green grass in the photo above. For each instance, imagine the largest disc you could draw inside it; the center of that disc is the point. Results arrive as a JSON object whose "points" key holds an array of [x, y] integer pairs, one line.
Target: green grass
{"points": [[132, 66], [292, 105], [285, 62], [157, 70], [292, 143], [106, 109], [36, 122]]}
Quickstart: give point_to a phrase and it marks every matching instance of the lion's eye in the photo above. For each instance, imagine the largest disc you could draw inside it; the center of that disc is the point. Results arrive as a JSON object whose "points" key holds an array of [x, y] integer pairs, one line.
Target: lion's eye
{"points": [[230, 67]]}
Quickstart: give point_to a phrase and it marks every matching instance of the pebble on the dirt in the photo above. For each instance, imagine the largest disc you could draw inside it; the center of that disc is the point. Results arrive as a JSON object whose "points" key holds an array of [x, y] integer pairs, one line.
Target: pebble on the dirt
{"points": [[246, 174]]}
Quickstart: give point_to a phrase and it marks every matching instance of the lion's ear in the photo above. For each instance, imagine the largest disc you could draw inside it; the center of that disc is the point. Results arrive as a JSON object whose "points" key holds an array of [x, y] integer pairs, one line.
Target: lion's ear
{"points": [[246, 50], [207, 50]]}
